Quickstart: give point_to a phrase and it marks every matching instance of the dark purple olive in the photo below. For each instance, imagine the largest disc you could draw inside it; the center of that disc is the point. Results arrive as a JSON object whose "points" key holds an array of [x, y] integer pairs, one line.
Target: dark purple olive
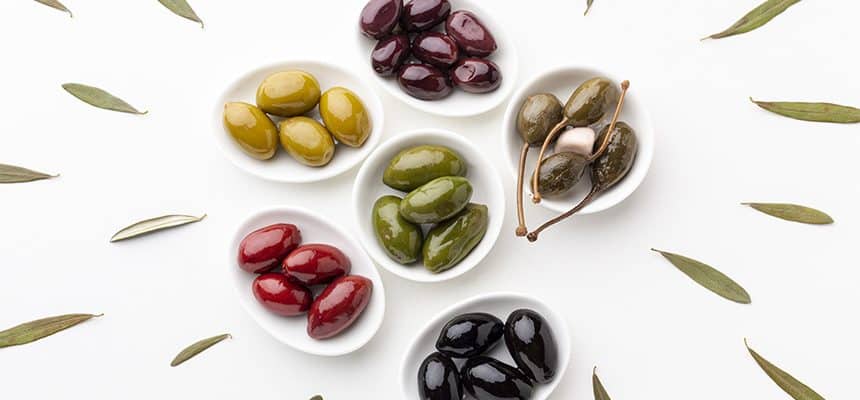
{"points": [[389, 54], [531, 344], [486, 378], [424, 82], [379, 17], [476, 75], [439, 379], [437, 49], [470, 34], [469, 335], [421, 15]]}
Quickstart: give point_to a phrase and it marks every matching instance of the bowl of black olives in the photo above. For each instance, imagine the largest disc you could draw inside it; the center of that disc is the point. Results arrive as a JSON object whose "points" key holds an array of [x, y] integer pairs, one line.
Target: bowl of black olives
{"points": [[493, 346]]}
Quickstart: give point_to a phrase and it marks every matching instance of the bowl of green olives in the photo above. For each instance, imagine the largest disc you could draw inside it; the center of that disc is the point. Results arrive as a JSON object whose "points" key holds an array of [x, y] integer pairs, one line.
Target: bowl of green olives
{"points": [[429, 205], [297, 121]]}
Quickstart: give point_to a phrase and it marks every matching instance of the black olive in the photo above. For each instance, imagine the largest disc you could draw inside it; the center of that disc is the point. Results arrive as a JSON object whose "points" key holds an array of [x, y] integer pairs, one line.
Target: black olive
{"points": [[531, 344], [489, 379], [439, 379], [469, 335]]}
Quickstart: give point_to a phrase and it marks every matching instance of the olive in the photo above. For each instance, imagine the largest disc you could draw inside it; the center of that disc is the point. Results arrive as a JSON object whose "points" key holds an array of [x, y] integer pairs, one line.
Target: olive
{"points": [[616, 162], [315, 264], [437, 200], [380, 17], [280, 296], [434, 48], [469, 335], [252, 129], [307, 141], [560, 172], [389, 54], [538, 115], [439, 379], [530, 341], [264, 248], [486, 378], [476, 75], [345, 116], [451, 241], [338, 306], [288, 93], [418, 165], [470, 34], [424, 82], [591, 102], [400, 238], [421, 15]]}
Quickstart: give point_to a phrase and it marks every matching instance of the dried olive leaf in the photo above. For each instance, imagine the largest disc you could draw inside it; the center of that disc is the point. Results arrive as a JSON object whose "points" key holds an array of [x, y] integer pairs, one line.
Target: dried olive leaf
{"points": [[756, 18], [99, 98], [599, 390], [317, 397], [182, 9], [815, 112], [788, 383], [588, 6], [153, 225], [13, 174], [41, 328], [56, 5], [793, 212], [708, 277], [197, 348]]}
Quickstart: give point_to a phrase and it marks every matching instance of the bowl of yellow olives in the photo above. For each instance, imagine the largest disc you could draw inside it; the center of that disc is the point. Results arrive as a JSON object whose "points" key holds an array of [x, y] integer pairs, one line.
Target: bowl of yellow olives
{"points": [[298, 121]]}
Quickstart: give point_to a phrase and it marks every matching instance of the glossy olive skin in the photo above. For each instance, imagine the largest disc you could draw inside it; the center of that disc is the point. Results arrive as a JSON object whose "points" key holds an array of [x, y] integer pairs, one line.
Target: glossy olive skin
{"points": [[616, 162], [418, 165], [345, 116], [252, 129], [560, 172], [380, 17], [532, 345], [437, 49], [476, 75], [400, 238], [288, 93], [469, 335], [264, 248], [470, 34], [338, 306], [437, 200], [307, 141], [537, 116], [280, 296], [594, 100], [439, 379], [389, 54], [421, 15], [486, 378], [315, 264], [451, 241], [424, 81]]}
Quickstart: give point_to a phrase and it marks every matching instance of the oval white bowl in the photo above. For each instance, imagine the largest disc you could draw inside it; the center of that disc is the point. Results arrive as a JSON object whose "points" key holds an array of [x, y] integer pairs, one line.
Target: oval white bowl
{"points": [[482, 175], [282, 167], [500, 305], [459, 103], [293, 330], [562, 82]]}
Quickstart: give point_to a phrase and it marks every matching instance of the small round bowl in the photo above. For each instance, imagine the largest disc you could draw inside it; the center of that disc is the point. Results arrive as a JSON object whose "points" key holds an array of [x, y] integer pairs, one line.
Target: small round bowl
{"points": [[292, 331], [459, 103], [482, 175], [282, 167], [500, 305], [562, 82]]}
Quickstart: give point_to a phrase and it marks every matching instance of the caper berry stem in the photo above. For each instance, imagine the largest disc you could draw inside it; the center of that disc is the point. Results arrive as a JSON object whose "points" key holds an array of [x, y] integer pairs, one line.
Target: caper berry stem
{"points": [[549, 138], [608, 138], [533, 236], [521, 229]]}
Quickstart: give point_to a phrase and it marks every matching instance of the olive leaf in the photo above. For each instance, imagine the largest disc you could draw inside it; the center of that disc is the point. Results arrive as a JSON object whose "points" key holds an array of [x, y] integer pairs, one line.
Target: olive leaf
{"points": [[41, 328], [588, 4], [756, 18], [55, 5], [784, 380], [793, 212], [708, 277], [13, 174], [182, 9], [317, 397], [197, 348], [599, 390], [815, 112], [154, 224], [99, 98]]}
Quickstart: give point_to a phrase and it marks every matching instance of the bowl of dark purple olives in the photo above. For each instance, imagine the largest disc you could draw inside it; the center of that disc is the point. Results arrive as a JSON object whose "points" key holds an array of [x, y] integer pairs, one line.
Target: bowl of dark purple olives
{"points": [[496, 346], [446, 57]]}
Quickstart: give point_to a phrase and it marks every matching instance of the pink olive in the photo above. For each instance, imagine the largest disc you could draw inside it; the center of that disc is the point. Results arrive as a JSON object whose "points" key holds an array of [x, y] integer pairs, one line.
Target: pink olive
{"points": [[314, 264], [476, 75], [421, 15], [389, 54], [263, 249], [380, 17], [437, 49], [424, 82], [470, 34]]}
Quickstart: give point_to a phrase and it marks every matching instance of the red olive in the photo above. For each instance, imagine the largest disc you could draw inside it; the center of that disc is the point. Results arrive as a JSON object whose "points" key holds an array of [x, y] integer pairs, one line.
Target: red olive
{"points": [[470, 34], [389, 54], [424, 82], [421, 15], [436, 48], [280, 296], [476, 75], [338, 306], [263, 249], [379, 17], [314, 264]]}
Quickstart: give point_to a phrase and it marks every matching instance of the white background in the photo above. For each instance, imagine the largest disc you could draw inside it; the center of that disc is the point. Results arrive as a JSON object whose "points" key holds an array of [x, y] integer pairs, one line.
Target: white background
{"points": [[653, 333]]}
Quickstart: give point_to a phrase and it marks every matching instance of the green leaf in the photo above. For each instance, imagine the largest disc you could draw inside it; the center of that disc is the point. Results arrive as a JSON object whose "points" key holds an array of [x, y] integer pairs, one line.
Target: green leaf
{"points": [[55, 5], [197, 348], [41, 328], [154, 224], [588, 4], [708, 277], [13, 174], [756, 18], [182, 9], [815, 112], [793, 212], [796, 389], [99, 98], [599, 390]]}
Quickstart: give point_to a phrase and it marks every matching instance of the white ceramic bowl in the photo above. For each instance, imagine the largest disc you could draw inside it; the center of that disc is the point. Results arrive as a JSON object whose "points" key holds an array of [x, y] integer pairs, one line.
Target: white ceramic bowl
{"points": [[459, 103], [500, 305], [562, 82], [282, 167], [482, 175], [293, 330]]}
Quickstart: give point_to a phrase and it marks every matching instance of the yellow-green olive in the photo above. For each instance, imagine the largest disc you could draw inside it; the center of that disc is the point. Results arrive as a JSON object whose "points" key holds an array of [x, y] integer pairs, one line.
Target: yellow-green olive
{"points": [[307, 141], [252, 129], [288, 93], [345, 116]]}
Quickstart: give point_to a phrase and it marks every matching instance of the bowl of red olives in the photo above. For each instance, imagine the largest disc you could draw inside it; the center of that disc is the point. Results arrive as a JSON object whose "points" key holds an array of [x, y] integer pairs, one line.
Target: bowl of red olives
{"points": [[306, 281], [446, 57]]}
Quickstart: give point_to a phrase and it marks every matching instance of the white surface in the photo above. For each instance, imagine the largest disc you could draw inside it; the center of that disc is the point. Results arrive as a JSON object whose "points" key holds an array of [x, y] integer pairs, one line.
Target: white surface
{"points": [[652, 333], [487, 189]]}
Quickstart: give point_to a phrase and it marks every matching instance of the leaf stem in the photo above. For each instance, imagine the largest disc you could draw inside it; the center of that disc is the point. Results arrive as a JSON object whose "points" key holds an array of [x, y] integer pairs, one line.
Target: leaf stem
{"points": [[521, 228]]}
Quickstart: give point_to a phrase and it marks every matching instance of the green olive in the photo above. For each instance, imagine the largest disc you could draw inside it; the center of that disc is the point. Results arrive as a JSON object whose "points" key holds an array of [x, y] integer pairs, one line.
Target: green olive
{"points": [[437, 200], [451, 241], [591, 102], [345, 117], [418, 165], [560, 172], [400, 238], [307, 141], [616, 162], [537, 116], [252, 129], [288, 93]]}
